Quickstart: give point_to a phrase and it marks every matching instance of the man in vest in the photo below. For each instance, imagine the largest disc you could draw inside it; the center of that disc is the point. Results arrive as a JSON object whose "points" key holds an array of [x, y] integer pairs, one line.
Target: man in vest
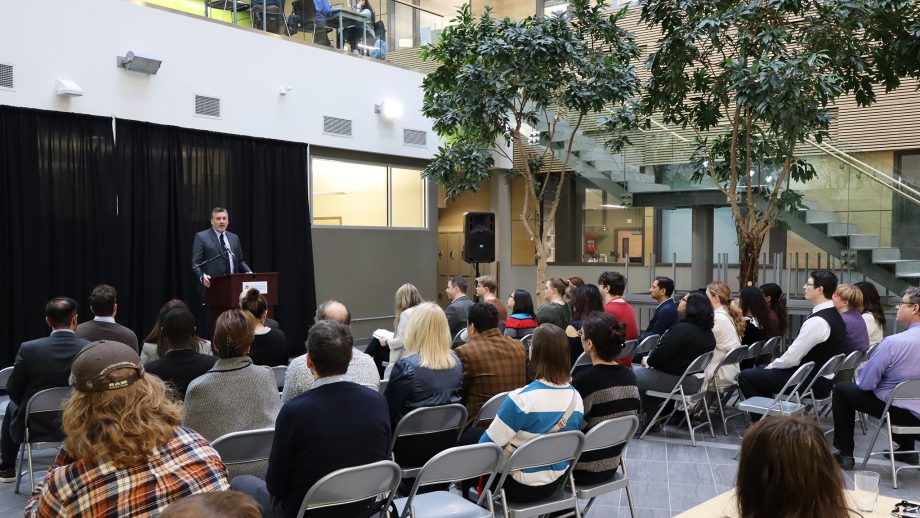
{"points": [[821, 337]]}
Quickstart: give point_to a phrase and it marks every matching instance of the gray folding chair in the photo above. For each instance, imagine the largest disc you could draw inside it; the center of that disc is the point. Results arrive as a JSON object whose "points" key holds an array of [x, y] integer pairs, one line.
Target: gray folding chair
{"points": [[724, 392], [280, 373], [526, 340], [584, 360], [648, 344], [349, 485], [773, 346], [677, 394], [905, 390], [607, 434], [452, 465], [46, 406], [428, 421], [5, 377], [830, 367], [782, 403], [629, 348], [543, 450], [847, 372], [458, 339], [489, 409], [246, 448], [755, 350]]}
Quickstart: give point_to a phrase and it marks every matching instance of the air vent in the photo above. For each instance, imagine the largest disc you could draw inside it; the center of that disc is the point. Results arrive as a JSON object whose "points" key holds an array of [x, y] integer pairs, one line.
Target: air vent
{"points": [[336, 126], [415, 138], [207, 106], [6, 76]]}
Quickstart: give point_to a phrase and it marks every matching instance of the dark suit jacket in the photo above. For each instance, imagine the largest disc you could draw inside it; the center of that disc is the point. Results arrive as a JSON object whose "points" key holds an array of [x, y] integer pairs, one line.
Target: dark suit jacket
{"points": [[180, 366], [665, 317], [682, 344], [94, 330], [457, 312], [207, 246], [40, 364]]}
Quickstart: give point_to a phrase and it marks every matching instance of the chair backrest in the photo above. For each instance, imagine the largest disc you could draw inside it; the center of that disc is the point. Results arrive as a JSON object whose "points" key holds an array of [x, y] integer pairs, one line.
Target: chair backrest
{"points": [[280, 372], [432, 419], [457, 339], [852, 360], [755, 349], [870, 351], [244, 447], [584, 359], [612, 432], [456, 464], [490, 408], [733, 357], [648, 344], [353, 484], [526, 340], [545, 450], [773, 345], [5, 377], [697, 365], [45, 406], [830, 367], [909, 389], [792, 385], [629, 348]]}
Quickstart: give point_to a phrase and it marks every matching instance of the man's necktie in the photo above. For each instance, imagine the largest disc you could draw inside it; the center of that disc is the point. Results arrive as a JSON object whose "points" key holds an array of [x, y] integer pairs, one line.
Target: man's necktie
{"points": [[223, 246]]}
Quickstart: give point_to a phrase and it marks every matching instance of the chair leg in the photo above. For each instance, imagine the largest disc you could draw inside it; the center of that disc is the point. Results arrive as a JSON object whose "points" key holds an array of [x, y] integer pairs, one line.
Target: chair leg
{"points": [[629, 500], [862, 423], [878, 429], [654, 419], [894, 471], [712, 430], [687, 416], [721, 411], [31, 471], [22, 458]]}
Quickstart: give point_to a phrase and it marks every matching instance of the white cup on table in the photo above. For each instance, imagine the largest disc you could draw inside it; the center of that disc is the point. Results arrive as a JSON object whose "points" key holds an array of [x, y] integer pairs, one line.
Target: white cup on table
{"points": [[866, 485]]}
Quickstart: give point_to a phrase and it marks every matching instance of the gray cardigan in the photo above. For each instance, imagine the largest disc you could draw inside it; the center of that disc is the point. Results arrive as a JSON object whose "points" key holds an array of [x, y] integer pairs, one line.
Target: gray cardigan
{"points": [[233, 396]]}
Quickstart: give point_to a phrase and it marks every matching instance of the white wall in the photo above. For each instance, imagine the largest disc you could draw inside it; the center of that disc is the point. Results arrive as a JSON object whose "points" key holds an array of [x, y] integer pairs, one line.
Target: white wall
{"points": [[245, 68]]}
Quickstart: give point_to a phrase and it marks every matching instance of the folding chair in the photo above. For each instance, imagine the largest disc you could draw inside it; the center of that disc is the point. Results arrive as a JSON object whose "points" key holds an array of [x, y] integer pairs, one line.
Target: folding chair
{"points": [[246, 448], [773, 346], [607, 434], [830, 367], [45, 406], [782, 403], [442, 423], [677, 394], [526, 340], [629, 348], [849, 365], [5, 377], [584, 360], [725, 392], [349, 485], [905, 390], [489, 409], [648, 344], [755, 350], [543, 450], [452, 465], [280, 373]]}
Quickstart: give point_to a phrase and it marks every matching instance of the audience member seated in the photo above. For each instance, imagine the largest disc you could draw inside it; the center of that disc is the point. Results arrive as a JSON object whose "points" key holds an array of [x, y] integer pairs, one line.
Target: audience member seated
{"points": [[152, 349], [217, 504], [760, 322], [40, 364], [612, 285], [585, 300], [661, 290], [786, 469], [353, 35], [683, 343], [181, 363], [337, 424], [822, 336], [776, 301], [269, 346], [492, 363], [361, 368], [124, 453], [405, 301], [547, 405], [873, 313], [608, 390], [570, 285], [896, 359], [555, 311], [322, 12], [487, 291], [235, 395], [522, 321], [849, 302], [459, 305], [727, 328], [103, 304]]}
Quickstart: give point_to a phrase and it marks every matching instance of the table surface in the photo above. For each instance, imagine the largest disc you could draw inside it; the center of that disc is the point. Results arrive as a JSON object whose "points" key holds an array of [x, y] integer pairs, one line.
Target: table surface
{"points": [[724, 505]]}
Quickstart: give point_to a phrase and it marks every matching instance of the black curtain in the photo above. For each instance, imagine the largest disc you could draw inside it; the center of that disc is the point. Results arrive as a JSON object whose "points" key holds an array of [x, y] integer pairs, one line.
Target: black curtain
{"points": [[80, 207]]}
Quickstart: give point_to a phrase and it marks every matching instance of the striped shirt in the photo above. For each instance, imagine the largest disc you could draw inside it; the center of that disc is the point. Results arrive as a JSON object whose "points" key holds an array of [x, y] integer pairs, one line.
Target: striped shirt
{"points": [[186, 465], [531, 411]]}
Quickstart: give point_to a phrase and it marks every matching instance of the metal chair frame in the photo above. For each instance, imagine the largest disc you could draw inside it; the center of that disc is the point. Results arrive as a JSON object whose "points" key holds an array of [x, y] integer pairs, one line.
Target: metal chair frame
{"points": [[244, 447], [784, 401], [44, 401], [677, 394], [724, 393], [387, 485], [489, 409], [584, 360], [413, 424], [594, 440], [648, 344], [830, 367], [905, 390]]}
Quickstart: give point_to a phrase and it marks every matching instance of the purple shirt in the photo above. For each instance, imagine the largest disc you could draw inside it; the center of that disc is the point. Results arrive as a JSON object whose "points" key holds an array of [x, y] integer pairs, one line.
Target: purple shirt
{"points": [[896, 359], [857, 334]]}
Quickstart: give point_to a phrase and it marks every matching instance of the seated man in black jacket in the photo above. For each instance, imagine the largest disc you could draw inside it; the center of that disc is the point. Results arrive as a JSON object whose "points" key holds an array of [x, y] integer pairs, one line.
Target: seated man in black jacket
{"points": [[676, 350], [181, 362]]}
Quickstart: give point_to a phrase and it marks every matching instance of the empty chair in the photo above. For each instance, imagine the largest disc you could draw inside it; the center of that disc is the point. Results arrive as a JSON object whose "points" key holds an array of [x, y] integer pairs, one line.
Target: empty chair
{"points": [[351, 485], [489, 409], [830, 368], [280, 373], [677, 394], [755, 350], [648, 344], [584, 360], [42, 427], [783, 402], [423, 433], [724, 391], [905, 390], [245, 452], [613, 432], [773, 346], [452, 465]]}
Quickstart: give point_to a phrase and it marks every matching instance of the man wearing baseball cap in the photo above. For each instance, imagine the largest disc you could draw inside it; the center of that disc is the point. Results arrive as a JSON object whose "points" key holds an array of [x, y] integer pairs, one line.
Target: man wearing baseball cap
{"points": [[124, 453]]}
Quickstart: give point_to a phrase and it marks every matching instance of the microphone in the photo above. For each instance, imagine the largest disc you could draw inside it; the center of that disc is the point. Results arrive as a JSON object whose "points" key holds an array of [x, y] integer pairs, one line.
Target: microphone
{"points": [[202, 263]]}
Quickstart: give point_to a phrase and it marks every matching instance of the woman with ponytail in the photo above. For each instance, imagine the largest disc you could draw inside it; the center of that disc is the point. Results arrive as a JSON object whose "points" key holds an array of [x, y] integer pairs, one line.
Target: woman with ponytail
{"points": [[269, 346], [728, 327]]}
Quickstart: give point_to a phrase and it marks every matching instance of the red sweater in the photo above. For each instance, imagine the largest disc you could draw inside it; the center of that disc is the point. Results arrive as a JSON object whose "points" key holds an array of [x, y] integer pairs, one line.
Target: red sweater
{"points": [[623, 312]]}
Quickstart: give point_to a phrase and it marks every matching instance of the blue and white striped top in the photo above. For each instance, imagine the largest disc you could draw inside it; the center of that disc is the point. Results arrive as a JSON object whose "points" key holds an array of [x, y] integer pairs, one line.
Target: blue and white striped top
{"points": [[530, 411]]}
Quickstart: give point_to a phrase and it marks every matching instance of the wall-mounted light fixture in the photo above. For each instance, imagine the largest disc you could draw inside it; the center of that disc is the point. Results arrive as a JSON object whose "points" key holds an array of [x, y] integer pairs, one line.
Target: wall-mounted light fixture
{"points": [[389, 109], [135, 63], [67, 88]]}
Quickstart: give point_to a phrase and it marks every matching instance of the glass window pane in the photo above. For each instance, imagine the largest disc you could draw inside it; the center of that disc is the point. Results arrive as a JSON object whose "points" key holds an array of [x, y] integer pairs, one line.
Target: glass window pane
{"points": [[408, 198], [611, 232], [349, 194], [676, 230]]}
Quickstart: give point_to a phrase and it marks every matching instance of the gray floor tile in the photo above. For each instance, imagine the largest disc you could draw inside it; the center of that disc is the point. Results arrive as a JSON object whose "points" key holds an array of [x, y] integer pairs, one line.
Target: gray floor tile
{"points": [[651, 495], [680, 453], [645, 513], [721, 455], [603, 511], [648, 471], [683, 497], [647, 450], [611, 499], [724, 475], [690, 473]]}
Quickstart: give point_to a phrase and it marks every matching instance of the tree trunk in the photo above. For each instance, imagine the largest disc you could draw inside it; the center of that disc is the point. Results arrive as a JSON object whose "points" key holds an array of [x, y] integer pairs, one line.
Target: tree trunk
{"points": [[749, 251], [541, 281]]}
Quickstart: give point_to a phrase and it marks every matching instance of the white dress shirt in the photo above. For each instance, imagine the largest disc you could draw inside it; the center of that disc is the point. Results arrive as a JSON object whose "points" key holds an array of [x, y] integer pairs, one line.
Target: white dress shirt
{"points": [[813, 332], [226, 247]]}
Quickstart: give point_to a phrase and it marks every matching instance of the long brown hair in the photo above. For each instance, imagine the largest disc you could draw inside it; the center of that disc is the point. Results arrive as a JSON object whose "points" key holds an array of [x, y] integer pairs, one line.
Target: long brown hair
{"points": [[549, 354], [787, 471], [723, 292]]}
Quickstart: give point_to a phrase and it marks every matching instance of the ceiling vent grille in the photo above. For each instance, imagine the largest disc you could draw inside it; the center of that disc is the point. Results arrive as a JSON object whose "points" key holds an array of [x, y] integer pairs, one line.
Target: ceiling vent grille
{"points": [[413, 137], [207, 106], [6, 76], [336, 126]]}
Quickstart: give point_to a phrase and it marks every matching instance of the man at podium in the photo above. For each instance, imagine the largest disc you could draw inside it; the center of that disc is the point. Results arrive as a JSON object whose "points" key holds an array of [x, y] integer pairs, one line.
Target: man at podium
{"points": [[216, 251]]}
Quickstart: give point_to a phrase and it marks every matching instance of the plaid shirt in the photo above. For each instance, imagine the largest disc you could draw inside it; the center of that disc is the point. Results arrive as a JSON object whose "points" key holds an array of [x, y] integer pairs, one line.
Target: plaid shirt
{"points": [[492, 363], [184, 466]]}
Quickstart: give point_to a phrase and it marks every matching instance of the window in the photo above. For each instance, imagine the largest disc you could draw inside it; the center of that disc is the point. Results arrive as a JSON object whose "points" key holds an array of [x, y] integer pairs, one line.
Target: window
{"points": [[611, 233], [355, 194]]}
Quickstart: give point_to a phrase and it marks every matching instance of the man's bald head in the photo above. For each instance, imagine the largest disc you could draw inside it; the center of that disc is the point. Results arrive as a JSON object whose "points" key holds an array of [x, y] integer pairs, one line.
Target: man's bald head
{"points": [[333, 310]]}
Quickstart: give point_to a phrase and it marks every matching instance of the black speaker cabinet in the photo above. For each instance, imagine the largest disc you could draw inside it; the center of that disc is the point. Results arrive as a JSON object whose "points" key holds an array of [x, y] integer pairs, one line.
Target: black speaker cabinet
{"points": [[479, 237]]}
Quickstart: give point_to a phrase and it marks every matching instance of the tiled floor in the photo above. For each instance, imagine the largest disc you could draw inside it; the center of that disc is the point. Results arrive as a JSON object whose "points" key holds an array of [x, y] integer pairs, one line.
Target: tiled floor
{"points": [[668, 476]]}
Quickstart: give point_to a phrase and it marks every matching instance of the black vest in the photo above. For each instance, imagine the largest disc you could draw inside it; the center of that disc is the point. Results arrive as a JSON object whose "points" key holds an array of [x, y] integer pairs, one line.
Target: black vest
{"points": [[835, 343]]}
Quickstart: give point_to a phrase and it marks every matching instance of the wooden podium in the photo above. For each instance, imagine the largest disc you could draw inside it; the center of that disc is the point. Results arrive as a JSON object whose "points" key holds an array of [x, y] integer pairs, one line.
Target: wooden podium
{"points": [[225, 292]]}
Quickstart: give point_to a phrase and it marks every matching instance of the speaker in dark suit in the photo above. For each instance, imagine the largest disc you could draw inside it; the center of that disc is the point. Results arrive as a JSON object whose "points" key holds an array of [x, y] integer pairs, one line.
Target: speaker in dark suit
{"points": [[216, 251]]}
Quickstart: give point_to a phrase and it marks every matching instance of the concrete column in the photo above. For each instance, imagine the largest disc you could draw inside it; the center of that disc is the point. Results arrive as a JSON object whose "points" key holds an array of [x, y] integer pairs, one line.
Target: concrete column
{"points": [[501, 205], [701, 247]]}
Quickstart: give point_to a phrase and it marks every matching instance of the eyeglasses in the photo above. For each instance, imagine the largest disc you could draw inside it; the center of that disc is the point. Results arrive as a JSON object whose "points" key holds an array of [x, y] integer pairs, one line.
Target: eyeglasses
{"points": [[810, 284], [902, 303]]}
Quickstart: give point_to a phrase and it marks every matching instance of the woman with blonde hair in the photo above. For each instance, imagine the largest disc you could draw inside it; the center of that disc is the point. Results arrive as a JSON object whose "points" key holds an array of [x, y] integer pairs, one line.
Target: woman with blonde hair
{"points": [[728, 327], [405, 301], [848, 299], [124, 453]]}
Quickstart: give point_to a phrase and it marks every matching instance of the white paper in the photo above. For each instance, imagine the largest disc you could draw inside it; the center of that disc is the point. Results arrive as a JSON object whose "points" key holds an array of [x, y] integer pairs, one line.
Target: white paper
{"points": [[262, 286], [383, 333]]}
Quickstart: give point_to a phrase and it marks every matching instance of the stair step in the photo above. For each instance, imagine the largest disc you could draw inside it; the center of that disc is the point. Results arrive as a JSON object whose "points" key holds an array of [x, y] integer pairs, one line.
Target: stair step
{"points": [[907, 268], [886, 255], [599, 154], [863, 241], [633, 186], [820, 216], [841, 229]]}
